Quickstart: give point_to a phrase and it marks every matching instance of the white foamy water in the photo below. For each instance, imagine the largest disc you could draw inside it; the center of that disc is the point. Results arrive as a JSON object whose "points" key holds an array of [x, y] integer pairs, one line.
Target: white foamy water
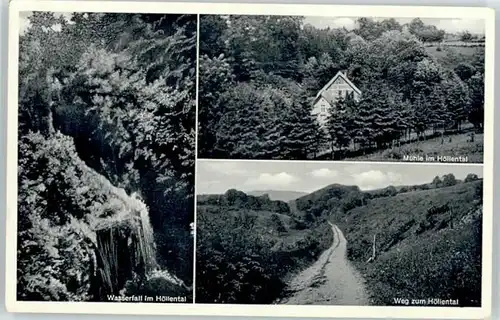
{"points": [[146, 241]]}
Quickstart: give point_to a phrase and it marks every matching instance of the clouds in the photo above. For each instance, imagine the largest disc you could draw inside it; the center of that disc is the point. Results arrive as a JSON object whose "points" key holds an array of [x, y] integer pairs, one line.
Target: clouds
{"points": [[375, 179], [217, 176], [269, 180], [227, 168], [324, 173], [459, 25]]}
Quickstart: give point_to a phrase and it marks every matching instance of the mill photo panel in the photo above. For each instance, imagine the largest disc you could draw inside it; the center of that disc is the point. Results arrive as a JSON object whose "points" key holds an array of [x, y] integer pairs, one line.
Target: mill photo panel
{"points": [[279, 160], [334, 88]]}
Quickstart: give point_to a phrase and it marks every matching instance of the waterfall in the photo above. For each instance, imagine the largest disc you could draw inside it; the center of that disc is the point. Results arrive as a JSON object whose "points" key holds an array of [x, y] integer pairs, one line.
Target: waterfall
{"points": [[125, 247], [124, 240], [147, 249]]}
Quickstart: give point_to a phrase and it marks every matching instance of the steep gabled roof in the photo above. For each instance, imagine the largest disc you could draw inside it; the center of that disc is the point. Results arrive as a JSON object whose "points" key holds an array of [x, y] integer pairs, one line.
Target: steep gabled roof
{"points": [[321, 93]]}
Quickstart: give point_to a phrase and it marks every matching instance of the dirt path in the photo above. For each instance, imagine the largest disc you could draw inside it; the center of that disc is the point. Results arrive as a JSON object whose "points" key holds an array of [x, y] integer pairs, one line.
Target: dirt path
{"points": [[330, 280]]}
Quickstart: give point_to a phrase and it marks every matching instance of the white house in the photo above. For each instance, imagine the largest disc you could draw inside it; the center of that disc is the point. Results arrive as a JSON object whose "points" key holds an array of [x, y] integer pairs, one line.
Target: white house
{"points": [[339, 86]]}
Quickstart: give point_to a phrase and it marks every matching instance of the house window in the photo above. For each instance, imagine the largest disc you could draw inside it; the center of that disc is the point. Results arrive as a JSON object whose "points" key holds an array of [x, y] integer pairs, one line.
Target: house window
{"points": [[323, 109]]}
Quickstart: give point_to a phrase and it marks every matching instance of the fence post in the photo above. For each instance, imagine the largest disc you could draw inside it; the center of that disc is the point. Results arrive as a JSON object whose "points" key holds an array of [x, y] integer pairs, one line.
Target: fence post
{"points": [[374, 249], [451, 218], [374, 254]]}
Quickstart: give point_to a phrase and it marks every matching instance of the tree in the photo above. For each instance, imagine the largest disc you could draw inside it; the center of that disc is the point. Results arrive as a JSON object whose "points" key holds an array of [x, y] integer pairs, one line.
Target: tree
{"points": [[245, 127], [100, 119], [425, 33], [313, 42], [378, 119], [439, 114], [317, 72], [456, 99], [355, 58], [449, 180], [212, 35], [395, 58], [370, 29], [278, 223], [364, 119], [466, 36], [416, 26], [428, 74], [133, 119], [299, 129], [464, 71], [340, 124], [239, 45], [420, 115], [37, 64], [216, 77], [284, 33], [476, 111], [471, 177], [437, 182]]}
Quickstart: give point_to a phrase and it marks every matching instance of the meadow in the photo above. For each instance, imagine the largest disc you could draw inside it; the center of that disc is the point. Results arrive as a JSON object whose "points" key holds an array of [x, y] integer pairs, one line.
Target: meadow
{"points": [[452, 145]]}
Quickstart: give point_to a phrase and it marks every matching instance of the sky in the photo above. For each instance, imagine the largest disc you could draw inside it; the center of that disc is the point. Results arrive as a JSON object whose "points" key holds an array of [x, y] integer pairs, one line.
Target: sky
{"points": [[217, 176], [448, 25], [24, 22]]}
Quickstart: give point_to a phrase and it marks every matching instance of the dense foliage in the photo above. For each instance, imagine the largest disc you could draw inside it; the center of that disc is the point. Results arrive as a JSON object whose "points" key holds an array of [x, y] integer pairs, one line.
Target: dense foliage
{"points": [[258, 75], [249, 246], [121, 88]]}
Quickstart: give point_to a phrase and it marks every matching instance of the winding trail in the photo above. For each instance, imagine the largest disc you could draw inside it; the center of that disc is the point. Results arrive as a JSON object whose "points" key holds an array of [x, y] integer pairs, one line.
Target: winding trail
{"points": [[330, 280]]}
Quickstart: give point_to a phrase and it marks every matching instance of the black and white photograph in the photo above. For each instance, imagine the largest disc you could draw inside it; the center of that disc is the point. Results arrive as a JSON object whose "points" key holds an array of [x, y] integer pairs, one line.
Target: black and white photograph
{"points": [[346, 234], [342, 88], [242, 159], [106, 157]]}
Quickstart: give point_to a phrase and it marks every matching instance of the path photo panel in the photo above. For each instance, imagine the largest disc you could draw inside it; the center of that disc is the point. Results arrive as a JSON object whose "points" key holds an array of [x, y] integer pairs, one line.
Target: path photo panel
{"points": [[106, 155], [344, 234], [342, 88]]}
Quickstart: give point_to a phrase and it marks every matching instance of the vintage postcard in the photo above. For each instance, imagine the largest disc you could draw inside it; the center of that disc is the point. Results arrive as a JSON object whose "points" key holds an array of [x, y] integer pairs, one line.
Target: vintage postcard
{"points": [[250, 159]]}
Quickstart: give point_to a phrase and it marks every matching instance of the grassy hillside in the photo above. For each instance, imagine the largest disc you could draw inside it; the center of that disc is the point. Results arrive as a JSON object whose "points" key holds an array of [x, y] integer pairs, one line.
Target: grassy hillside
{"points": [[451, 56], [456, 145], [428, 243], [248, 246]]}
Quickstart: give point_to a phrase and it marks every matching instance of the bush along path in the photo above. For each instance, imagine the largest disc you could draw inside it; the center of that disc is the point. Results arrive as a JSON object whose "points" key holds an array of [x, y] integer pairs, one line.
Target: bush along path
{"points": [[330, 280]]}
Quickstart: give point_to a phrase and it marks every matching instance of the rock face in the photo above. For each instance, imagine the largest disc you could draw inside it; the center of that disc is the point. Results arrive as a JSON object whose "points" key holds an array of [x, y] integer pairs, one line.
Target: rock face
{"points": [[79, 237]]}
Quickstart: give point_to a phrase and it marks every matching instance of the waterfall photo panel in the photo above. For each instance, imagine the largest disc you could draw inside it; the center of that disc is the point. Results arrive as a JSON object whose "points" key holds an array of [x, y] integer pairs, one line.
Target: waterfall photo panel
{"points": [[272, 160], [106, 156]]}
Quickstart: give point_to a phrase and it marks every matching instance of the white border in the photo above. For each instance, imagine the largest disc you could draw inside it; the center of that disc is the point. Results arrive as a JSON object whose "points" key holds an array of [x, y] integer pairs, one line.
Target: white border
{"points": [[195, 230], [248, 310]]}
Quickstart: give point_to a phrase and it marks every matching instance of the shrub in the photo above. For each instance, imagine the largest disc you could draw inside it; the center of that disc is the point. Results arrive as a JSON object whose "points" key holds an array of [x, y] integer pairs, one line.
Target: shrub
{"points": [[244, 255], [56, 248]]}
